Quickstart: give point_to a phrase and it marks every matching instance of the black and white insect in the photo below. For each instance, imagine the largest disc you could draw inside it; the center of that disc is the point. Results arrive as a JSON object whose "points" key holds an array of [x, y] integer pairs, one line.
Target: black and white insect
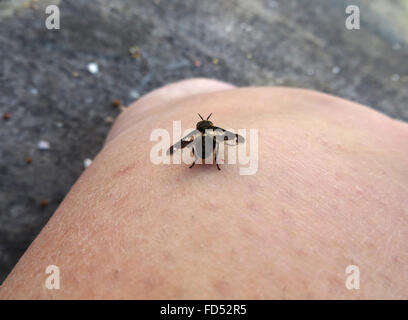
{"points": [[205, 139]]}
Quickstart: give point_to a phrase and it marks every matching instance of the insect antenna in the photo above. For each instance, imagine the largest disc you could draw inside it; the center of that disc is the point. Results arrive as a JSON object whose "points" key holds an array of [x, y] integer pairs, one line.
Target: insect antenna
{"points": [[200, 116], [209, 116]]}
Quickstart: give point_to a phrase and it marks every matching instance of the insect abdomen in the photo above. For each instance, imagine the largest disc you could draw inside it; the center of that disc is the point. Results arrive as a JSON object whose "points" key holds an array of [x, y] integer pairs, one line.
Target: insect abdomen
{"points": [[205, 147]]}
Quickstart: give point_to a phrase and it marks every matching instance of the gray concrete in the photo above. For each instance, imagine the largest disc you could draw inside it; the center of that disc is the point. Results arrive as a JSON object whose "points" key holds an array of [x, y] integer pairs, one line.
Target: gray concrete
{"points": [[258, 42]]}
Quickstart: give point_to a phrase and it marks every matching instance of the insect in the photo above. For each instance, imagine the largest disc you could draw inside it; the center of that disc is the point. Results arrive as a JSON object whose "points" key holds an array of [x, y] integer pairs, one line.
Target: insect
{"points": [[205, 139]]}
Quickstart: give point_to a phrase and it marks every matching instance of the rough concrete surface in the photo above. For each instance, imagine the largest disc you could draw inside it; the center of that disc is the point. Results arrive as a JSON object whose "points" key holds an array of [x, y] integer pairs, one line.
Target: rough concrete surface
{"points": [[50, 95]]}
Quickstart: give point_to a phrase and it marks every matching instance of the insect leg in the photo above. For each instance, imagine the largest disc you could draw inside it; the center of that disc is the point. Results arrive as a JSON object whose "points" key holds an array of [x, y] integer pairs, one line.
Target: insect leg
{"points": [[216, 153], [195, 158]]}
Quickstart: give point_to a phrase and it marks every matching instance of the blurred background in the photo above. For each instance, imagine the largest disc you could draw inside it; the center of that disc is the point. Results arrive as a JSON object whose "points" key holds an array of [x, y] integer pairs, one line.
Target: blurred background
{"points": [[61, 89]]}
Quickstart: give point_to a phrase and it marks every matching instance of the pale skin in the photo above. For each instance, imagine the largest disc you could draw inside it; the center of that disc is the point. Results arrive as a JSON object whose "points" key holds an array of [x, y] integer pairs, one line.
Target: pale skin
{"points": [[330, 191]]}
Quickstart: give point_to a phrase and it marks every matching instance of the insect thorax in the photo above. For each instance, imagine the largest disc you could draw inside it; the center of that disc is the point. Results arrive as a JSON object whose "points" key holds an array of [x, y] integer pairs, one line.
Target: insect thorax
{"points": [[204, 125]]}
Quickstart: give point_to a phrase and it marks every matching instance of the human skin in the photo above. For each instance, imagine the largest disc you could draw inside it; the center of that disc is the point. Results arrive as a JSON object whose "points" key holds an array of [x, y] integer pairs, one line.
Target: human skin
{"points": [[330, 191]]}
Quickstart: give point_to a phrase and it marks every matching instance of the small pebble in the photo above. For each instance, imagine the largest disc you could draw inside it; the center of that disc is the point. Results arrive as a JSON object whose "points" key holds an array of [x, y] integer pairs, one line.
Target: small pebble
{"points": [[134, 94], [336, 70], [395, 77], [44, 203], [93, 68], [59, 124], [34, 91], [28, 160], [6, 116], [135, 52], [109, 119], [215, 60], [116, 103], [87, 162], [43, 145]]}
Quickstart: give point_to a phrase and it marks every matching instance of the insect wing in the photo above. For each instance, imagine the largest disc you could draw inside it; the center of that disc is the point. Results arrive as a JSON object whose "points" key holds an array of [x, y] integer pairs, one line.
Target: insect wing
{"points": [[226, 136], [187, 141]]}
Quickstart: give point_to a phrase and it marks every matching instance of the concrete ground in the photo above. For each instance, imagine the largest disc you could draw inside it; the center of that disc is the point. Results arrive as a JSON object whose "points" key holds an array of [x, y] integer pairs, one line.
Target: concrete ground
{"points": [[50, 95]]}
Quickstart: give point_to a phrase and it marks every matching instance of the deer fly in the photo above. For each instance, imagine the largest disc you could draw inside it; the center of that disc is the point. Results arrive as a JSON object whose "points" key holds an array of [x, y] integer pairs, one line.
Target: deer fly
{"points": [[205, 139]]}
